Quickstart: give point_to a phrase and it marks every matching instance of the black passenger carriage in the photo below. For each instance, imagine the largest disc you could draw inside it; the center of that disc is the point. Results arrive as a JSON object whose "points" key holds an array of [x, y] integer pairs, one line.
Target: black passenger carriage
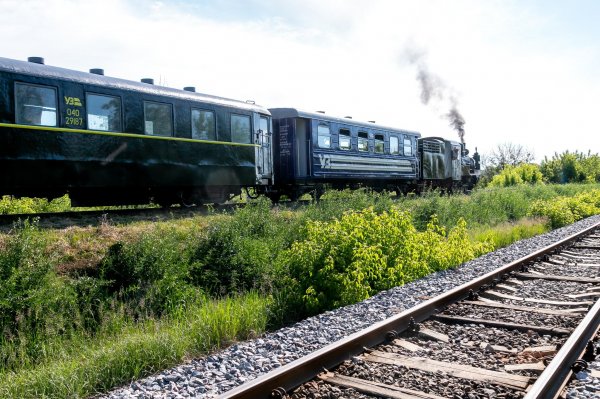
{"points": [[110, 141], [314, 150]]}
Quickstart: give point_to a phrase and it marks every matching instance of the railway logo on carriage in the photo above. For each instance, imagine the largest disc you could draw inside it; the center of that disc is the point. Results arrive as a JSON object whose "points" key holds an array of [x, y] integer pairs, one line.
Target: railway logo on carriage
{"points": [[325, 160]]}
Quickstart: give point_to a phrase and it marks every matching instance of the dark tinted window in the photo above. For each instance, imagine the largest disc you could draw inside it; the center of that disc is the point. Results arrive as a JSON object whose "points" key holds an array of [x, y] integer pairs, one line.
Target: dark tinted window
{"points": [[35, 105], [240, 129], [345, 139], [203, 125], [363, 141], [158, 119], [103, 112]]}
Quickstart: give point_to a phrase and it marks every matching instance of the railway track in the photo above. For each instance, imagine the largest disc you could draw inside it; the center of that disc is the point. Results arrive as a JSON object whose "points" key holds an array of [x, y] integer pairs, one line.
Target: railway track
{"points": [[516, 332], [85, 217]]}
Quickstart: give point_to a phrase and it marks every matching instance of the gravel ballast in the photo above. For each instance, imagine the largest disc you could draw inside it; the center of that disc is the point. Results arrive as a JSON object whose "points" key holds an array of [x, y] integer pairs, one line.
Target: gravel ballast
{"points": [[212, 375]]}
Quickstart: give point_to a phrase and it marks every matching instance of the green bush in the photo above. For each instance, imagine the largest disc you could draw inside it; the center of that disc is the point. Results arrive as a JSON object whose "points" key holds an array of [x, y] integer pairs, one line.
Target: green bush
{"points": [[572, 167], [348, 260], [10, 205], [237, 252], [35, 304], [514, 175], [562, 211], [151, 272]]}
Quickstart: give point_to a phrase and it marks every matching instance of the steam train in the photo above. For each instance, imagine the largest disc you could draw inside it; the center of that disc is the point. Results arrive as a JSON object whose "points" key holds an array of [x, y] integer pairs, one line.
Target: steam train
{"points": [[108, 141]]}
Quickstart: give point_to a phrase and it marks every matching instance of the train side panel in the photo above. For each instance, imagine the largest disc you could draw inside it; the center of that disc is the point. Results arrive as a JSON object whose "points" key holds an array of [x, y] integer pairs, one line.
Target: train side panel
{"points": [[48, 151]]}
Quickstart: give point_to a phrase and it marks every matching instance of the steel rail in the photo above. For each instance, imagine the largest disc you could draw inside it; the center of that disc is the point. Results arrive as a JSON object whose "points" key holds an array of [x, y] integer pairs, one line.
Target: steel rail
{"points": [[275, 383], [551, 381]]}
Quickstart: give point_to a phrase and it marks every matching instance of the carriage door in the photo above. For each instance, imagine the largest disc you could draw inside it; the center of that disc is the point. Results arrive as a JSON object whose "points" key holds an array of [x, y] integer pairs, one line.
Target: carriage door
{"points": [[264, 156]]}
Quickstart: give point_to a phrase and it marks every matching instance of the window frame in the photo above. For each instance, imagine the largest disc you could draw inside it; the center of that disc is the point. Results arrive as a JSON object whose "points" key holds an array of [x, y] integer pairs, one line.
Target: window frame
{"points": [[382, 141], [87, 113], [319, 134], [56, 109], [397, 145], [231, 115], [349, 135], [192, 109], [172, 134], [404, 140], [363, 138]]}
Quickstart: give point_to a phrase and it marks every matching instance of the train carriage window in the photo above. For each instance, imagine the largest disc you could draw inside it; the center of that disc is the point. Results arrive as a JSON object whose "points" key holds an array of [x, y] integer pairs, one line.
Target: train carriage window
{"points": [[363, 141], [408, 147], [345, 143], [158, 119], [379, 146], [324, 136], [203, 125], [394, 148], [240, 129], [35, 105], [103, 112]]}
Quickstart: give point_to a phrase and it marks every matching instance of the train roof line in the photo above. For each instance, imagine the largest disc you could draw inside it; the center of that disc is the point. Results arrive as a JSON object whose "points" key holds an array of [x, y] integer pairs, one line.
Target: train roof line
{"points": [[295, 113], [53, 72]]}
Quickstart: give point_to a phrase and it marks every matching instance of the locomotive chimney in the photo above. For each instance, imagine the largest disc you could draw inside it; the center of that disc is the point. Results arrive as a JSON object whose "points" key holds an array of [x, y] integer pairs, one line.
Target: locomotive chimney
{"points": [[190, 88], [149, 81], [36, 60], [97, 71]]}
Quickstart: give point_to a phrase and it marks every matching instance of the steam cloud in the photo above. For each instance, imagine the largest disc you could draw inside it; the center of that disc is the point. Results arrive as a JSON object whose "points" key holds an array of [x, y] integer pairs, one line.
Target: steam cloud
{"points": [[433, 87]]}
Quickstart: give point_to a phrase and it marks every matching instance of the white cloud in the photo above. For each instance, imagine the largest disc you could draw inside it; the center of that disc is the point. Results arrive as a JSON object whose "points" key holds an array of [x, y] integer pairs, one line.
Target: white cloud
{"points": [[513, 84]]}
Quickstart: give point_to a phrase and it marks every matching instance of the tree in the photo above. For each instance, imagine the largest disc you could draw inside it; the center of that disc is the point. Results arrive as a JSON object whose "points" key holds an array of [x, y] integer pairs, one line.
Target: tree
{"points": [[510, 154], [505, 154]]}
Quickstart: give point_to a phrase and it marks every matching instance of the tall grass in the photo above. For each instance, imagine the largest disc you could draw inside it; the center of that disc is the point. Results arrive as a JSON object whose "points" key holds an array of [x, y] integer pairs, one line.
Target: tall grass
{"points": [[99, 363]]}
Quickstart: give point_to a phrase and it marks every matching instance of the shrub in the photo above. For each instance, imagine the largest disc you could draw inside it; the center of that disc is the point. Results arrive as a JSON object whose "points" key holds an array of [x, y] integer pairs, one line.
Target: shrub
{"points": [[347, 260], [566, 210], [514, 175]]}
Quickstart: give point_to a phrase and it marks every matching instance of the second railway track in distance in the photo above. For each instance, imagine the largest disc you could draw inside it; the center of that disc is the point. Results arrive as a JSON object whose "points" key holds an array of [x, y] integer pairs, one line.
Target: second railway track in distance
{"points": [[517, 332]]}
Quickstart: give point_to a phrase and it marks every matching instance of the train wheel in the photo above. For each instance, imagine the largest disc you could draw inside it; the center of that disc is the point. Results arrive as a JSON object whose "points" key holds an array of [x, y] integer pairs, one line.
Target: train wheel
{"points": [[186, 200], [274, 197]]}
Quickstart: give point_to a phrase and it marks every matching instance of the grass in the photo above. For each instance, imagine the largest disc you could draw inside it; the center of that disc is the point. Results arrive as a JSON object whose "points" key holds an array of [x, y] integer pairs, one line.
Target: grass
{"points": [[504, 234], [83, 309], [91, 365]]}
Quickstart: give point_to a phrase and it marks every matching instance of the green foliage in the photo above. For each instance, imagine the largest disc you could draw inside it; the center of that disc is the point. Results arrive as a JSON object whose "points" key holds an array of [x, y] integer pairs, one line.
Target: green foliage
{"points": [[145, 307], [151, 271], [138, 349], [10, 205], [506, 233], [514, 175], [572, 167], [566, 210], [237, 253], [347, 260], [34, 301]]}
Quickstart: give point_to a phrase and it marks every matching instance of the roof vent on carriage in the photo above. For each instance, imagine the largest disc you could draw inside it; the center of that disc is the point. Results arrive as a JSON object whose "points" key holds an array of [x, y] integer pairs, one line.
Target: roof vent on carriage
{"points": [[250, 102], [348, 117], [190, 88], [36, 60], [149, 81], [97, 71], [320, 112], [371, 121]]}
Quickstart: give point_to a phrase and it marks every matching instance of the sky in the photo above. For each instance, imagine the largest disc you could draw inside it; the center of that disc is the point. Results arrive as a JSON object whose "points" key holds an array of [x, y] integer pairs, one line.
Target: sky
{"points": [[523, 72]]}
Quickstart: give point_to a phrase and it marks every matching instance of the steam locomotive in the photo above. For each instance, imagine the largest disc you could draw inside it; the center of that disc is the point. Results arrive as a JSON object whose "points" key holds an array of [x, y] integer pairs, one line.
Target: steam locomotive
{"points": [[108, 141]]}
